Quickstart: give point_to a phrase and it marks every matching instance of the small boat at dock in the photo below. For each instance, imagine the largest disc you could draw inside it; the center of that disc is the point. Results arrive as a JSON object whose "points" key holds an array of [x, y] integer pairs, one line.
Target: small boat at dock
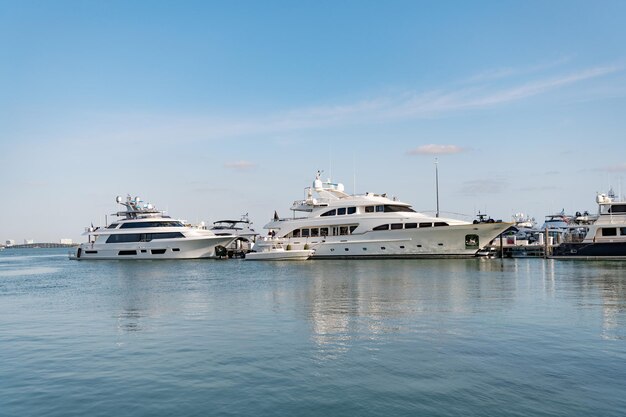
{"points": [[276, 251]]}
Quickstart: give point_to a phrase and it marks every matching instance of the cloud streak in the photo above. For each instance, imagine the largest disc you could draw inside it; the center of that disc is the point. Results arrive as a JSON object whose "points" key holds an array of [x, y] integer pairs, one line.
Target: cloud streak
{"points": [[240, 165], [404, 106], [433, 149]]}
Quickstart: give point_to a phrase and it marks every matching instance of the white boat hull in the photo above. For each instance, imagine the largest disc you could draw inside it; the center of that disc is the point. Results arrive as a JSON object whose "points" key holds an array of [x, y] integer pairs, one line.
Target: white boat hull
{"points": [[186, 248], [282, 255], [434, 242]]}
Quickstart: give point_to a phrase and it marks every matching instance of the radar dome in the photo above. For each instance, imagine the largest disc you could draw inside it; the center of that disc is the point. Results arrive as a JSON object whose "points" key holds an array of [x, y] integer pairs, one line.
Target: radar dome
{"points": [[317, 185], [340, 187]]}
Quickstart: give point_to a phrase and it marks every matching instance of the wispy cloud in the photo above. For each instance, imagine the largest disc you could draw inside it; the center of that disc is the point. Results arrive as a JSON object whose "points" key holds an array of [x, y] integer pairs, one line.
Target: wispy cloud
{"points": [[433, 149], [404, 106], [506, 72], [240, 165], [483, 186]]}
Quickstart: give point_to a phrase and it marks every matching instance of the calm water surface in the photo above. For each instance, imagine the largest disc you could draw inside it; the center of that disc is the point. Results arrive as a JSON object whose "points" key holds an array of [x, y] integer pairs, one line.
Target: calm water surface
{"points": [[318, 338]]}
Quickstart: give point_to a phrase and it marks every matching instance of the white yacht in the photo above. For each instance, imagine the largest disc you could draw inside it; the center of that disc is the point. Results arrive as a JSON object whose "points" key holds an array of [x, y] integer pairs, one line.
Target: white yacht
{"points": [[604, 238], [142, 232], [338, 225]]}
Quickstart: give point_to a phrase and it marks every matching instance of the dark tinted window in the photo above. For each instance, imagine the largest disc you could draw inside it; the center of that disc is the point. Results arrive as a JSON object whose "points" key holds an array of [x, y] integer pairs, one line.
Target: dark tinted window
{"points": [[341, 211], [622, 231], [343, 230], [142, 237], [132, 237], [315, 232], [351, 210], [352, 229], [437, 224], [305, 232], [609, 231], [396, 226], [382, 227], [380, 208], [329, 213], [168, 235], [410, 226], [136, 225], [296, 233], [392, 209], [369, 209], [113, 226], [618, 208], [426, 224], [324, 231]]}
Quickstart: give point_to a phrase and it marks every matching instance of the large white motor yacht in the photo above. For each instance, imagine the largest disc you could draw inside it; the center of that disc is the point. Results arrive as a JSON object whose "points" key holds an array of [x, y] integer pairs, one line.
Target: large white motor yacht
{"points": [[603, 238], [142, 232], [338, 225]]}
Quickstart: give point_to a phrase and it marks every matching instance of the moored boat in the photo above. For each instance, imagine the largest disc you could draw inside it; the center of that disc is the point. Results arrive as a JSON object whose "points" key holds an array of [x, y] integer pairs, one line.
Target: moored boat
{"points": [[604, 238], [276, 251], [143, 232], [339, 225]]}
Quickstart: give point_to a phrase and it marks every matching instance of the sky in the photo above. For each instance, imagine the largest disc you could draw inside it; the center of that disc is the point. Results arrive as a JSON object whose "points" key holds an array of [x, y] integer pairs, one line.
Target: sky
{"points": [[210, 110]]}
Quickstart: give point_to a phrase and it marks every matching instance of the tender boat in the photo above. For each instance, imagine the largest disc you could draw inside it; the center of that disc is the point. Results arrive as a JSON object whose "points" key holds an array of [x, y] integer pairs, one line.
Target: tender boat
{"points": [[242, 228], [276, 251], [604, 238], [142, 232], [371, 225]]}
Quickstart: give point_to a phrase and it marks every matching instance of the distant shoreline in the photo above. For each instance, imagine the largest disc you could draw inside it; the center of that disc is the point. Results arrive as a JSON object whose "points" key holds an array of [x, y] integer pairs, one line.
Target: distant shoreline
{"points": [[42, 246]]}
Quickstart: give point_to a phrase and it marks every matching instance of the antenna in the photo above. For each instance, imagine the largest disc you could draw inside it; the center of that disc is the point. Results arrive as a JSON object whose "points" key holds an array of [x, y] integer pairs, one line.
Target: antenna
{"points": [[437, 184], [330, 162], [353, 174]]}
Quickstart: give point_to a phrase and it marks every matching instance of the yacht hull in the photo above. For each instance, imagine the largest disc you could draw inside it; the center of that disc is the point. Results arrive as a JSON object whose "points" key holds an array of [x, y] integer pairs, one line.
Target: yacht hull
{"points": [[188, 248], [590, 251], [290, 255], [459, 241]]}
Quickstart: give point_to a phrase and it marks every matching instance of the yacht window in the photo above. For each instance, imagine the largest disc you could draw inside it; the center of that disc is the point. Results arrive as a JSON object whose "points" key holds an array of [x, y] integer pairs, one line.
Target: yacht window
{"points": [[369, 209], [396, 226], [394, 209], [168, 235], [131, 237], [329, 213], [618, 208], [343, 230], [305, 232], [113, 226], [622, 231], [426, 225], [351, 210], [335, 231], [410, 226], [323, 231], [380, 209], [352, 229], [341, 211], [437, 224], [127, 252], [296, 233], [382, 227], [136, 225], [157, 251], [609, 231], [315, 232]]}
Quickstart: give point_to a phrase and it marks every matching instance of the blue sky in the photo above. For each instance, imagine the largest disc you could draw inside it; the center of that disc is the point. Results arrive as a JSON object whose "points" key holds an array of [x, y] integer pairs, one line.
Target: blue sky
{"points": [[214, 109]]}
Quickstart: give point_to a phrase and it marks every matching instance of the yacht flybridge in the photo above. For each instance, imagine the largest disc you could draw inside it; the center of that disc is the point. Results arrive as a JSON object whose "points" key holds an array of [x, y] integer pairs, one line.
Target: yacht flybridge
{"points": [[338, 225], [143, 232]]}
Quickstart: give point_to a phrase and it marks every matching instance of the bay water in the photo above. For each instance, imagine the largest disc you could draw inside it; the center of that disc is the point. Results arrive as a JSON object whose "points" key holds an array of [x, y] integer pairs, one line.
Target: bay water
{"points": [[516, 337]]}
